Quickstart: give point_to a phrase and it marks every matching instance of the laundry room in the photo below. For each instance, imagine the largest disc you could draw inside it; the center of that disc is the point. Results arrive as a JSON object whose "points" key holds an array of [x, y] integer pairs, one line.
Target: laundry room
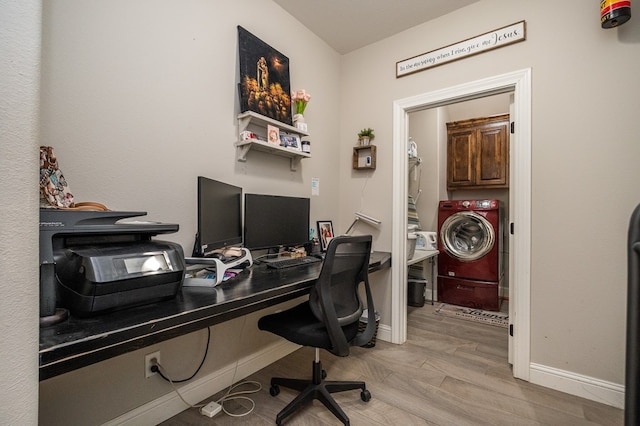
{"points": [[458, 188]]}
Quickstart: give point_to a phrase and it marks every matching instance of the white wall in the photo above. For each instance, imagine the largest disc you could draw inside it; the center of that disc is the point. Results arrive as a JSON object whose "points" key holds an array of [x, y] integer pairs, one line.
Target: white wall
{"points": [[585, 103], [139, 98], [19, 87]]}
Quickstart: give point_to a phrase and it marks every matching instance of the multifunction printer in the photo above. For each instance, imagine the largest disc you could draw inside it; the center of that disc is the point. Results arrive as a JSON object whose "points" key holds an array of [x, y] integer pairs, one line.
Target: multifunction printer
{"points": [[92, 262]]}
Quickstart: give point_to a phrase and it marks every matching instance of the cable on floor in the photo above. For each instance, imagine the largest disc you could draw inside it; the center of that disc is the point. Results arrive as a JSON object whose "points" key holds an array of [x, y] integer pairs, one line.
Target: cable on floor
{"points": [[228, 396], [238, 395]]}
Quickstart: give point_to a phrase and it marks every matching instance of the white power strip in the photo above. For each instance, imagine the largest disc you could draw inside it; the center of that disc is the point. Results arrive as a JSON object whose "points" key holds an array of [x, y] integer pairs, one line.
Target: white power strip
{"points": [[211, 409]]}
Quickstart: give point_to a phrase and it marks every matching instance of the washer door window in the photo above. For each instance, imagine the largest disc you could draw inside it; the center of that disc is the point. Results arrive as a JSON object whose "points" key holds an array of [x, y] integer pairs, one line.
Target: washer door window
{"points": [[467, 236]]}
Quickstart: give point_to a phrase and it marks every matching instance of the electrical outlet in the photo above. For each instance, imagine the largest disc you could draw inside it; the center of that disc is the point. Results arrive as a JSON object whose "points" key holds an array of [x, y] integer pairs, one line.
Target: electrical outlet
{"points": [[150, 360]]}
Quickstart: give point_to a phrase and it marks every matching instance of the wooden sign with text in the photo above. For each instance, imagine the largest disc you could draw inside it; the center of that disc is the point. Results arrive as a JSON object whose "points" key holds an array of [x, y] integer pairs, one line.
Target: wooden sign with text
{"points": [[482, 43]]}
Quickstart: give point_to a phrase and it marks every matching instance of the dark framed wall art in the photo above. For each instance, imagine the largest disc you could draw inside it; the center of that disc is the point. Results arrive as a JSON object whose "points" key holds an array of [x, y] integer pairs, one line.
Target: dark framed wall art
{"points": [[264, 85]]}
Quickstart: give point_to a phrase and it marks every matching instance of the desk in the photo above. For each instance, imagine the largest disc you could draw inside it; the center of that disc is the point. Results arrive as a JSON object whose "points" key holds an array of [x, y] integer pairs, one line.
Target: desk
{"points": [[78, 342], [422, 255]]}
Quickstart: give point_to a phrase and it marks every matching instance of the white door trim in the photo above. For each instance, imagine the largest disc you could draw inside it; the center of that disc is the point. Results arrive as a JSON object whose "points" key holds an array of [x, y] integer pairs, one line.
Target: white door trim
{"points": [[518, 82]]}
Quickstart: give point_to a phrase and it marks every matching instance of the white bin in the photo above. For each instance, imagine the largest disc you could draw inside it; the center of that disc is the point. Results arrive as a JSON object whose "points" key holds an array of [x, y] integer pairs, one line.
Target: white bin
{"points": [[411, 244]]}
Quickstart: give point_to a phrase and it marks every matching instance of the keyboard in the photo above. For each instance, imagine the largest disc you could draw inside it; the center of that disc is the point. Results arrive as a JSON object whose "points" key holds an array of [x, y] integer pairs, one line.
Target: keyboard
{"points": [[291, 262]]}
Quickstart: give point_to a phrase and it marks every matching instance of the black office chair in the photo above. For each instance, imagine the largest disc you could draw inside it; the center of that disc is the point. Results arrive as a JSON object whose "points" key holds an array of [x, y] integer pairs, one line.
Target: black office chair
{"points": [[328, 320]]}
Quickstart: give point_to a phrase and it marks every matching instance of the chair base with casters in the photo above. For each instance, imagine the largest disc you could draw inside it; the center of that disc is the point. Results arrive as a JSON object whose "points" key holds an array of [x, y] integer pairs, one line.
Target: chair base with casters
{"points": [[328, 320], [316, 388]]}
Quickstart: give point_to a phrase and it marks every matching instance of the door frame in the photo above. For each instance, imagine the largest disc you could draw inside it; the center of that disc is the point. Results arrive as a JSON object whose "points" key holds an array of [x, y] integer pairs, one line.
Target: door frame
{"points": [[518, 82]]}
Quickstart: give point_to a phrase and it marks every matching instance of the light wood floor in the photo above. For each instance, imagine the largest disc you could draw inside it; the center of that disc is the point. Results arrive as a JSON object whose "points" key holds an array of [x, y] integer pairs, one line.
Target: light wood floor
{"points": [[449, 372]]}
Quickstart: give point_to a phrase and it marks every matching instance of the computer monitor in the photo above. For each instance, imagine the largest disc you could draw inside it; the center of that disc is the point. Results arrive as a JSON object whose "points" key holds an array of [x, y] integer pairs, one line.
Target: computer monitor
{"points": [[272, 221], [219, 216]]}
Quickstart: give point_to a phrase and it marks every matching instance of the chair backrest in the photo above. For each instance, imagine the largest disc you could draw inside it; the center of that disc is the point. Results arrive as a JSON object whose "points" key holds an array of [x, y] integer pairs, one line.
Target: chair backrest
{"points": [[335, 298]]}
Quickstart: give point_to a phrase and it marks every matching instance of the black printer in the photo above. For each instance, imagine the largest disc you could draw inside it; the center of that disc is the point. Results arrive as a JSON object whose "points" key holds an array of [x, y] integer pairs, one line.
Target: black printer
{"points": [[92, 262]]}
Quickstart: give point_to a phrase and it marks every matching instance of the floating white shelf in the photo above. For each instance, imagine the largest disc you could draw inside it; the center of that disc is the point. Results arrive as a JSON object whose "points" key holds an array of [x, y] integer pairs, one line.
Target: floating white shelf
{"points": [[257, 121]]}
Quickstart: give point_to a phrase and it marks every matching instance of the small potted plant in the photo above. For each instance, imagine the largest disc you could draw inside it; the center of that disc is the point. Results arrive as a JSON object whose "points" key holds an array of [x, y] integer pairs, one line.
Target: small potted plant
{"points": [[365, 136]]}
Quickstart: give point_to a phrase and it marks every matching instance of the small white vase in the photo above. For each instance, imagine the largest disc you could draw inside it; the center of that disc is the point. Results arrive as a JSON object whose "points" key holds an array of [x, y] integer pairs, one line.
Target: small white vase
{"points": [[299, 123]]}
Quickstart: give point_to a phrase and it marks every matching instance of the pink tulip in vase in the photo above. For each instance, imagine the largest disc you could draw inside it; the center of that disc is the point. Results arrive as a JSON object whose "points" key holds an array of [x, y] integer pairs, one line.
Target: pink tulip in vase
{"points": [[300, 99]]}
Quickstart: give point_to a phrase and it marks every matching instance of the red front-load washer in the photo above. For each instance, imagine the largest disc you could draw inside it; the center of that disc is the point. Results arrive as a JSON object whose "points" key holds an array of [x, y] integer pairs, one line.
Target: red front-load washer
{"points": [[470, 239]]}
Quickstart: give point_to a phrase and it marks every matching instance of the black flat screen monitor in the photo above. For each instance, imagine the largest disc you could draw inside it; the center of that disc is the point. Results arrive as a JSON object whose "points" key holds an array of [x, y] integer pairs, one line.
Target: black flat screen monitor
{"points": [[272, 221], [219, 216]]}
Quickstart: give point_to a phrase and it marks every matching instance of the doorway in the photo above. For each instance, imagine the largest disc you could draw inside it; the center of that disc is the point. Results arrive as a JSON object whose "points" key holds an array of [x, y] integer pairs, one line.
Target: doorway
{"points": [[519, 83]]}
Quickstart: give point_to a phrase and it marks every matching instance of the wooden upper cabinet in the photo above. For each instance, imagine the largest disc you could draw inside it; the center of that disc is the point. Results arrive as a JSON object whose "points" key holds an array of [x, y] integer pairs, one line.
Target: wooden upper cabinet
{"points": [[461, 150], [478, 153]]}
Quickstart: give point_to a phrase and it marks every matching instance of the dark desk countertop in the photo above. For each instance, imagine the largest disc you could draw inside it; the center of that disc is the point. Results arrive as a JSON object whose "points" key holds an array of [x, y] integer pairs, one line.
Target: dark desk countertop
{"points": [[78, 342]]}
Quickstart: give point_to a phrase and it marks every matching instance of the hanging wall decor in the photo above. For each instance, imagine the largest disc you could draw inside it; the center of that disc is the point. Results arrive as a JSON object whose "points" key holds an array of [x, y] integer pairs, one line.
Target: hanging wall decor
{"points": [[264, 78], [479, 44]]}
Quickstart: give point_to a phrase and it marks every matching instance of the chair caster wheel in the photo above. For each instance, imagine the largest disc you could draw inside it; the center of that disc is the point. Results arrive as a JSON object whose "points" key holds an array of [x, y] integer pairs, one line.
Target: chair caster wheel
{"points": [[365, 395], [274, 390]]}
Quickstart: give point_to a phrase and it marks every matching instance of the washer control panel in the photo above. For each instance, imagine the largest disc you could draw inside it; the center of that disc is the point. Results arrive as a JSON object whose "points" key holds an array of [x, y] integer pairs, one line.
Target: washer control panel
{"points": [[483, 204]]}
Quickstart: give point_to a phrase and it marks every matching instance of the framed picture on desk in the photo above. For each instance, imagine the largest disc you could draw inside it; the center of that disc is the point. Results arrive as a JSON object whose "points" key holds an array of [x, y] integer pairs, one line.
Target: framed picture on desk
{"points": [[325, 232]]}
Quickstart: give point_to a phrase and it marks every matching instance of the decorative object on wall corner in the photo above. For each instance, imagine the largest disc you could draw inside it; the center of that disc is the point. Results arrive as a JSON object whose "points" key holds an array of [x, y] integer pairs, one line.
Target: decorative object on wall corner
{"points": [[614, 13], [300, 99], [264, 78], [365, 136], [488, 41], [364, 157]]}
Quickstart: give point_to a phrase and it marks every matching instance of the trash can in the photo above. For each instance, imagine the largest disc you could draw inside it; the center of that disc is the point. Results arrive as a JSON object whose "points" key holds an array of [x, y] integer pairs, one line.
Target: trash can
{"points": [[362, 324], [415, 292]]}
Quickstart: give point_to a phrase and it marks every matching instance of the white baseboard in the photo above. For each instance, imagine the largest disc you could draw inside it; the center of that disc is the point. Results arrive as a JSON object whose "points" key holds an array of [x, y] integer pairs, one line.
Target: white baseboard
{"points": [[384, 333], [169, 405], [576, 384]]}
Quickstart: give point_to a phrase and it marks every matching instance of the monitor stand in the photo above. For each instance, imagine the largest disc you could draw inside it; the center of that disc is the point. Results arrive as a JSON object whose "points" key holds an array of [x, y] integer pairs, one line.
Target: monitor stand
{"points": [[220, 268]]}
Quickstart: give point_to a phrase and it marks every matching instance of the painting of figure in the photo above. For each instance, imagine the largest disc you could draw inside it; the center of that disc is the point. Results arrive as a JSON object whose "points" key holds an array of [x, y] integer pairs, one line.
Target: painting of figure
{"points": [[264, 78]]}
